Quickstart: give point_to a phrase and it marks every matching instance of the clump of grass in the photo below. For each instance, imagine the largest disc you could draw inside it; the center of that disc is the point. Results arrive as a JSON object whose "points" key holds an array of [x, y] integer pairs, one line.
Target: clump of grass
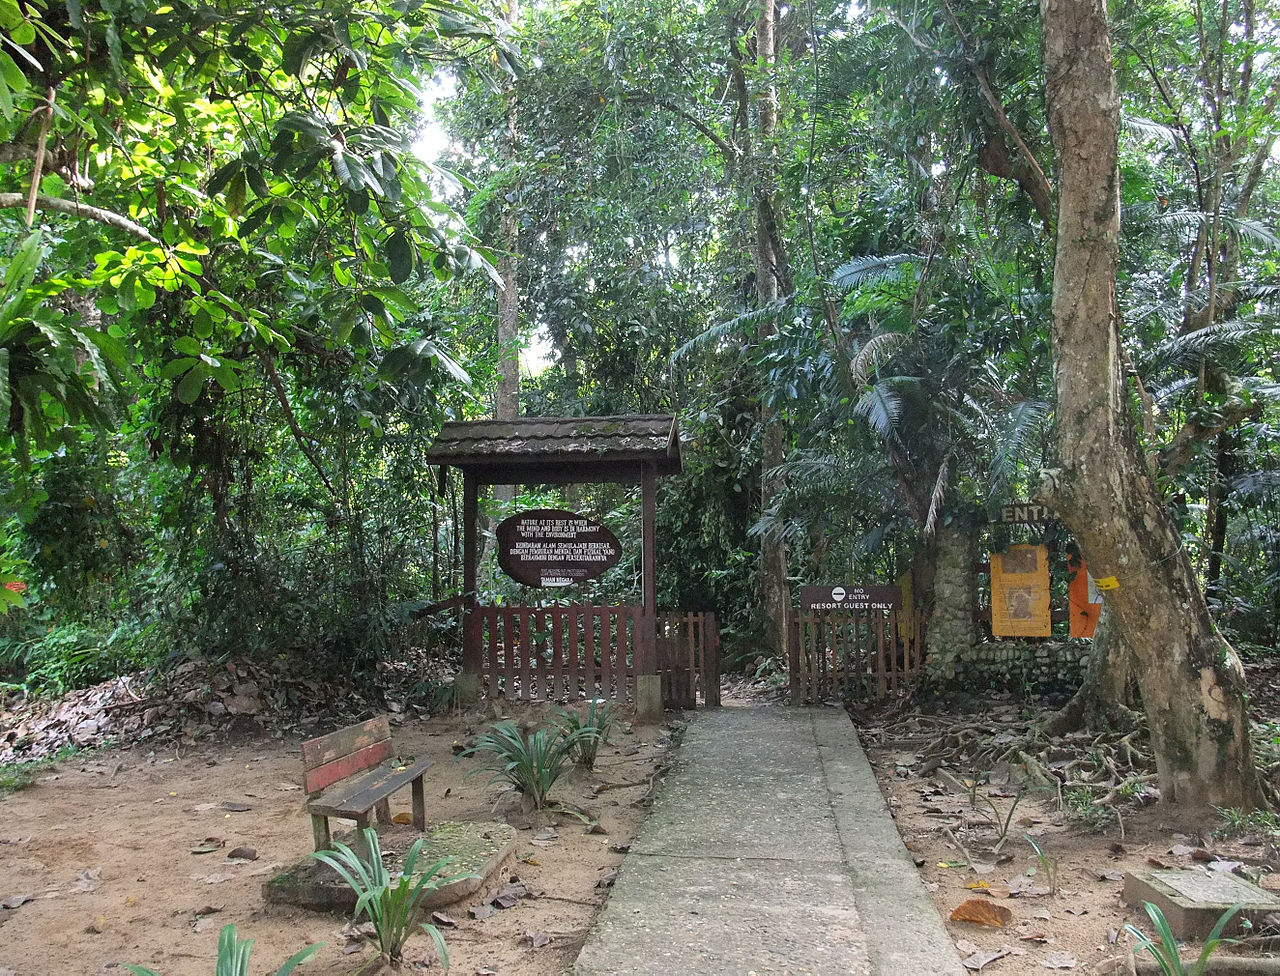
{"points": [[531, 764], [592, 730], [392, 908], [233, 956], [1236, 822], [1166, 950]]}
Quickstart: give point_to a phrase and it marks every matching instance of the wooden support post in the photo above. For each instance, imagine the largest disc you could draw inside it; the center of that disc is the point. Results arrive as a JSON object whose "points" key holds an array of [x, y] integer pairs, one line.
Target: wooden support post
{"points": [[648, 663], [419, 804], [648, 685], [472, 651], [793, 658], [711, 661]]}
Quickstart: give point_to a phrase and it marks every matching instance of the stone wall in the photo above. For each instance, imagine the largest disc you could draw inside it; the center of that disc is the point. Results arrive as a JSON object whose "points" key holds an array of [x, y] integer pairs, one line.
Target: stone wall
{"points": [[1020, 666]]}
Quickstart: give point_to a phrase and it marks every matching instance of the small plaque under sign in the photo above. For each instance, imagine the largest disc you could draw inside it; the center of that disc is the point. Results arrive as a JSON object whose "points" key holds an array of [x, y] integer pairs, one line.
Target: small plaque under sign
{"points": [[850, 597]]}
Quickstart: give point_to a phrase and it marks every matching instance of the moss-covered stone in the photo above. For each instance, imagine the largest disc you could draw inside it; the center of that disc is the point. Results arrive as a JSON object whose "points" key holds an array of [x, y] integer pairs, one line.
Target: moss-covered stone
{"points": [[477, 849]]}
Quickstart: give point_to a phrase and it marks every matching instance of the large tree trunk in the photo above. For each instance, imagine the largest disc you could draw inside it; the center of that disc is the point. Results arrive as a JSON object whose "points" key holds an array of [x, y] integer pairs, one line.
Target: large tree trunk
{"points": [[1191, 681], [775, 593], [507, 405]]}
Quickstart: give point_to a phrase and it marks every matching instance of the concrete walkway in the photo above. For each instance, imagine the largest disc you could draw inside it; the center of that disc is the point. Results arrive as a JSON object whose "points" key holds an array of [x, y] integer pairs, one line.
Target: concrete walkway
{"points": [[769, 850]]}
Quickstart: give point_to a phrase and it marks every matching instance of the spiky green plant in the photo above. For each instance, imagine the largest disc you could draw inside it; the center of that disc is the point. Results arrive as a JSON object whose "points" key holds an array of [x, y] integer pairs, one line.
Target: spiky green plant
{"points": [[233, 956], [594, 728], [529, 764], [392, 907], [1166, 950]]}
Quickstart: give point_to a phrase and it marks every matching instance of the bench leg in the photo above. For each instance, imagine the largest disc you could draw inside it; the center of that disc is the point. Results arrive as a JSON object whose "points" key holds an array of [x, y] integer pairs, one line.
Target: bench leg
{"points": [[359, 846], [320, 831], [419, 805], [384, 811]]}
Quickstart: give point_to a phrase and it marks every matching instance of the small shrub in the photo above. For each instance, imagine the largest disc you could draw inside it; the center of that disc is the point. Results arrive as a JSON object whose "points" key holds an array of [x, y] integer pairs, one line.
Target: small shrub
{"points": [[1166, 950], [392, 908], [233, 956], [593, 730], [531, 765]]}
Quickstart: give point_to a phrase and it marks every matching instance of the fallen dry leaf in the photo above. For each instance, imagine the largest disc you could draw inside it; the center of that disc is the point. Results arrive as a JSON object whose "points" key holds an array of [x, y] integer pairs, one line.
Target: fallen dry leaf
{"points": [[243, 854], [1060, 960], [978, 911], [402, 817], [1110, 875], [14, 901], [983, 958]]}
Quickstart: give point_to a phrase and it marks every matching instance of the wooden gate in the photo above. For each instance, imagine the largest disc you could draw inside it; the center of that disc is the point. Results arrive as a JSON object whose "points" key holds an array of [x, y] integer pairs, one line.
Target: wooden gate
{"points": [[853, 654], [559, 653], [688, 646]]}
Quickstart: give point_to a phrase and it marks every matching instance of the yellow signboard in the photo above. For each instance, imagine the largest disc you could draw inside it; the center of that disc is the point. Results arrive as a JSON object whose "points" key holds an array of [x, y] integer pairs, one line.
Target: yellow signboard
{"points": [[1020, 592]]}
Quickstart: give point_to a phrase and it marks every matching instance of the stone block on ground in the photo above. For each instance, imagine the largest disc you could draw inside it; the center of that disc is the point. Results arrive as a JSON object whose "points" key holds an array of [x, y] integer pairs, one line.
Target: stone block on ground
{"points": [[477, 848], [1193, 899]]}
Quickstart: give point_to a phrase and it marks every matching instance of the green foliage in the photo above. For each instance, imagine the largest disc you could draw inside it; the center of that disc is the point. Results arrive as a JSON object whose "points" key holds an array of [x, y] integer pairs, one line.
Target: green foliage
{"points": [[392, 906], [1165, 952], [1236, 822], [589, 732], [69, 655], [233, 956], [1079, 804], [530, 764], [1046, 865], [16, 776]]}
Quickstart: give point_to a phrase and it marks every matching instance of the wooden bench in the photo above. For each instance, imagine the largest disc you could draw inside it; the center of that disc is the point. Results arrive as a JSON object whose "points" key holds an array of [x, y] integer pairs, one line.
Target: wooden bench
{"points": [[338, 758]]}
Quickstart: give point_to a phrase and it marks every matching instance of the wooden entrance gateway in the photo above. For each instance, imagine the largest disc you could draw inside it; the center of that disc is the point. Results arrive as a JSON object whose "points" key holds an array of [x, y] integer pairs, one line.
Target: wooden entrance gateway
{"points": [[854, 654], [562, 651]]}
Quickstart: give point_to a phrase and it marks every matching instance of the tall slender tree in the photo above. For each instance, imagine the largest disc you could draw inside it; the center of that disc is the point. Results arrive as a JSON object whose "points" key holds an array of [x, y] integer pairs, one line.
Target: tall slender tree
{"points": [[1191, 680]]}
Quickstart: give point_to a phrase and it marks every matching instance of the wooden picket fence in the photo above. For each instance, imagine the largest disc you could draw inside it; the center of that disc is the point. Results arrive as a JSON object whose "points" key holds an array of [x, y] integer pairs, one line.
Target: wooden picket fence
{"points": [[857, 655], [688, 646], [559, 653]]}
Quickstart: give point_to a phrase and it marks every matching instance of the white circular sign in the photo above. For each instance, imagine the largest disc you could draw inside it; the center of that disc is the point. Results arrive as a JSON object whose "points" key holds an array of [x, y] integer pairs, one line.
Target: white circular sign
{"points": [[837, 593]]}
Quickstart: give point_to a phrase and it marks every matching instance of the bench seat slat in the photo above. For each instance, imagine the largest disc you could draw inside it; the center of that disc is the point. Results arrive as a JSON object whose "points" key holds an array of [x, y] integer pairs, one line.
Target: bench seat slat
{"points": [[360, 796]]}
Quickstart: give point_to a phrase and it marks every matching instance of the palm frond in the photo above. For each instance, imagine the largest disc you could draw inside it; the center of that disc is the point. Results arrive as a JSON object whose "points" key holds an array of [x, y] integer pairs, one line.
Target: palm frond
{"points": [[939, 493], [1179, 352], [739, 324], [882, 407], [877, 347], [1149, 130], [872, 269]]}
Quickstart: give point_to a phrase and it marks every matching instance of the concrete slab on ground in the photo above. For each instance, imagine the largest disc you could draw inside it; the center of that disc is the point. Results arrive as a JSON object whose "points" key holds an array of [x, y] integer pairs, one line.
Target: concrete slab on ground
{"points": [[1193, 899], [766, 850]]}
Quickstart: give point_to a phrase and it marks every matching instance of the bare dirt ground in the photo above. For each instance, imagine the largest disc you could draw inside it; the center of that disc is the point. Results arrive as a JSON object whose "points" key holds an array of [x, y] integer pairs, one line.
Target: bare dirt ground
{"points": [[104, 846], [951, 829]]}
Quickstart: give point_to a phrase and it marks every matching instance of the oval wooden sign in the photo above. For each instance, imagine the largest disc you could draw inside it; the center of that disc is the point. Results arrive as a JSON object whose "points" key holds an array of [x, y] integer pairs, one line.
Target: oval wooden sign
{"points": [[549, 547]]}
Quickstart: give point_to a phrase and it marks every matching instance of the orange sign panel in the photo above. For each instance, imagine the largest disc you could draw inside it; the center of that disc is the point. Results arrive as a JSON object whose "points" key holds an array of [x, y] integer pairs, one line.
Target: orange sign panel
{"points": [[1084, 598], [1020, 592]]}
